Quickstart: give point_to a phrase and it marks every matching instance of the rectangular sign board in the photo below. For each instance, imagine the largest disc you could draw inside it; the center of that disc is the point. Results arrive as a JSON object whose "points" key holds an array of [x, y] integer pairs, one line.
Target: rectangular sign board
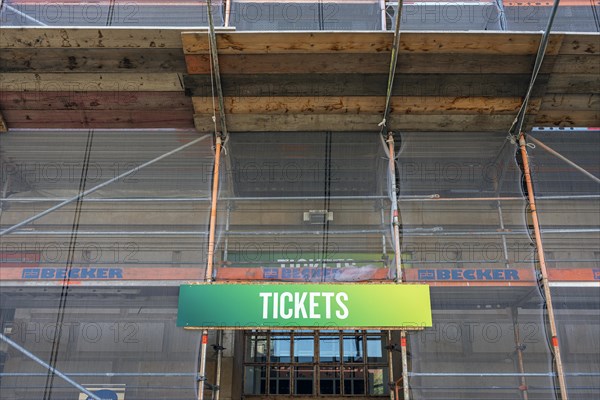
{"points": [[316, 306]]}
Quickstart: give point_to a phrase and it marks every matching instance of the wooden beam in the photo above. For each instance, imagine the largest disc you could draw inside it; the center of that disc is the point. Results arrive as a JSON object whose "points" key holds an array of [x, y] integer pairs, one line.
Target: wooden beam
{"points": [[325, 85], [362, 105], [354, 122], [3, 127], [91, 60], [78, 119], [84, 82], [175, 101], [289, 42], [568, 102], [363, 63], [577, 64], [580, 43], [568, 118], [574, 84], [89, 38], [505, 43]]}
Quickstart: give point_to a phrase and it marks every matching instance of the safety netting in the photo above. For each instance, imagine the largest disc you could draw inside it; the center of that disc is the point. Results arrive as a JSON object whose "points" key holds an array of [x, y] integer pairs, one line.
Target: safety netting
{"points": [[91, 286], [342, 15], [306, 206], [465, 232], [566, 172]]}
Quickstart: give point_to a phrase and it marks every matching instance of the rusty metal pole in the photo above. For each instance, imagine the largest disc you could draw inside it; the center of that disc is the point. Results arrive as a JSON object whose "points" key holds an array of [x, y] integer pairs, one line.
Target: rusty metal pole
{"points": [[519, 352], [395, 220], [404, 350], [543, 269], [210, 262]]}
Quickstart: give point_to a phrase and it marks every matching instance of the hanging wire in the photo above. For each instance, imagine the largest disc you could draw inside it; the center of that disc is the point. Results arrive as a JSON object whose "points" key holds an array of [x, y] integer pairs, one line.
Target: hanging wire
{"points": [[517, 124], [215, 69], [64, 293], [392, 72]]}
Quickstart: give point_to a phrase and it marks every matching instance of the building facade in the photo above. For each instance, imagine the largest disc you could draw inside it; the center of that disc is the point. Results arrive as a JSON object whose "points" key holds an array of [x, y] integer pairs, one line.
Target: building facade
{"points": [[127, 171]]}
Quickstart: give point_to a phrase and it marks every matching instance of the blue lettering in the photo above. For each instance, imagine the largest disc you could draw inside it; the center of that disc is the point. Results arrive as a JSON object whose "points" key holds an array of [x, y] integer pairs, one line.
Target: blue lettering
{"points": [[74, 273], [88, 273], [443, 274], [498, 274], [115, 273], [47, 273], [512, 275], [457, 274], [31, 273], [469, 274], [101, 273], [484, 274]]}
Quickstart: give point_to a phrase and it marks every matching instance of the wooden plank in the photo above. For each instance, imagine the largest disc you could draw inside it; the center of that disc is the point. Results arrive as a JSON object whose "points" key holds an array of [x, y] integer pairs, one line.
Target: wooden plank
{"points": [[86, 82], [91, 60], [362, 104], [289, 42], [444, 85], [577, 64], [75, 119], [584, 102], [574, 84], [355, 122], [176, 101], [365, 42], [106, 37], [3, 127], [363, 63], [580, 43], [563, 118]]}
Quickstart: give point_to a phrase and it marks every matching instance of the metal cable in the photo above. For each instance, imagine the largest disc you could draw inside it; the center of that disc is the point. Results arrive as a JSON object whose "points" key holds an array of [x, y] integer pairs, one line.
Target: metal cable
{"points": [[392, 72], [517, 124]]}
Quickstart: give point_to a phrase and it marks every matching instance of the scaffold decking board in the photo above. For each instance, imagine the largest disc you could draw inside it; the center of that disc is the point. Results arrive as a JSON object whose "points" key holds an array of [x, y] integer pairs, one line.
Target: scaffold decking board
{"points": [[109, 101], [89, 38], [3, 127], [46, 60], [470, 78], [354, 122], [365, 104], [90, 82], [368, 42], [120, 119]]}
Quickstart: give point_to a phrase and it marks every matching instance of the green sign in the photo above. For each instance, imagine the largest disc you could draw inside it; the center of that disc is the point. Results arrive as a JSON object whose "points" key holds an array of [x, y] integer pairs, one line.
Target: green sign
{"points": [[319, 306]]}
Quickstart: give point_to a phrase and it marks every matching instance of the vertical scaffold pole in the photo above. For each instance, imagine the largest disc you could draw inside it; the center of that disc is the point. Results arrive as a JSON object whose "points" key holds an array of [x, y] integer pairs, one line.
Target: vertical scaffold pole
{"points": [[394, 197], [404, 351], [543, 269], [208, 276]]}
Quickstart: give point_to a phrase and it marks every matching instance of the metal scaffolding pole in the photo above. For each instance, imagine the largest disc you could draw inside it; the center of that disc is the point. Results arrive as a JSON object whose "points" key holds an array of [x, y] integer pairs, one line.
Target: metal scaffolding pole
{"points": [[543, 269], [395, 219], [50, 368], [404, 350], [208, 277], [565, 159], [519, 347], [100, 186]]}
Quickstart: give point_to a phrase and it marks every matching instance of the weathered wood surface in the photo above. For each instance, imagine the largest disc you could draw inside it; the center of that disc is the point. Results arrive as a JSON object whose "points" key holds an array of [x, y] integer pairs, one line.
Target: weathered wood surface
{"points": [[67, 100], [444, 85], [361, 104], [3, 127], [366, 42], [85, 82], [364, 63], [130, 77], [355, 122], [89, 38], [91, 60], [78, 119]]}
